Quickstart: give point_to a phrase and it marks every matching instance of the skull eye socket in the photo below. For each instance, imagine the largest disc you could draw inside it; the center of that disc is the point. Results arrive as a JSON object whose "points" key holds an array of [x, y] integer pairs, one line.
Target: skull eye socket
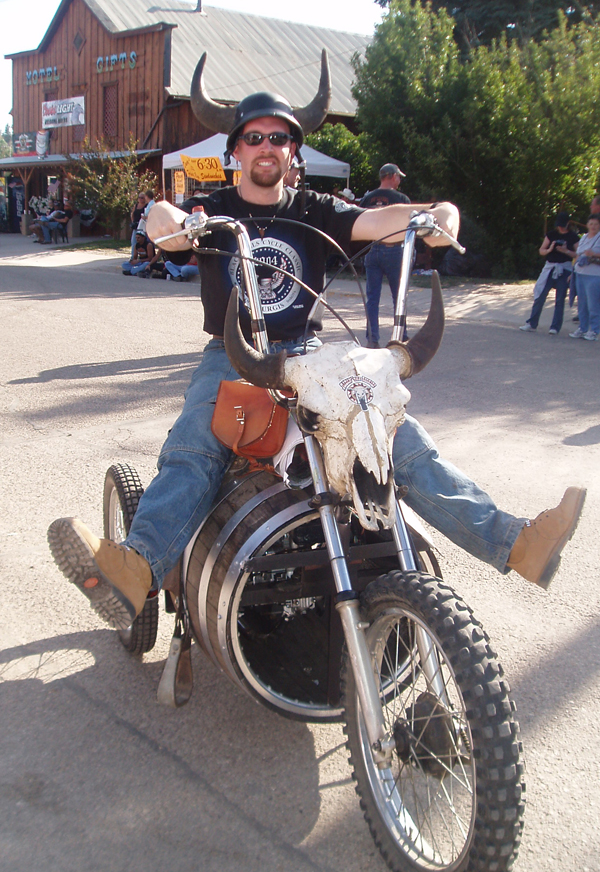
{"points": [[308, 421]]}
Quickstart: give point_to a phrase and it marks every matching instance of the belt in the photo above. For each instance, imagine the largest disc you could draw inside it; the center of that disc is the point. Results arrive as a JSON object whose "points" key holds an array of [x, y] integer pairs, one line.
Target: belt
{"points": [[389, 244]]}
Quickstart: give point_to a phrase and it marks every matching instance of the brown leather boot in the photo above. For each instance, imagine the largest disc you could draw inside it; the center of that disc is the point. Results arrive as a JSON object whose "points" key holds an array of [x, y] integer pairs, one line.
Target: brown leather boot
{"points": [[536, 552], [114, 578]]}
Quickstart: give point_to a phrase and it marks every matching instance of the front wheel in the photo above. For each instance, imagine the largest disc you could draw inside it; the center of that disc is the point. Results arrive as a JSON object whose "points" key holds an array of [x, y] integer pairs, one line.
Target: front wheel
{"points": [[451, 797]]}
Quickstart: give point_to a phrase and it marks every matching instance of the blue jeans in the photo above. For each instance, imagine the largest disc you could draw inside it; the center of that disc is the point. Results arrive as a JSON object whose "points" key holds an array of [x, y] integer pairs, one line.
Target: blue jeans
{"points": [[132, 269], [561, 283], [382, 260], [187, 271], [47, 228], [588, 302], [192, 463]]}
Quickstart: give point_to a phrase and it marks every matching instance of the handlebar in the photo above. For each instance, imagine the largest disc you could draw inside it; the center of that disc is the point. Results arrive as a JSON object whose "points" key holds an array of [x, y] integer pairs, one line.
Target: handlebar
{"points": [[420, 224], [198, 224], [425, 224]]}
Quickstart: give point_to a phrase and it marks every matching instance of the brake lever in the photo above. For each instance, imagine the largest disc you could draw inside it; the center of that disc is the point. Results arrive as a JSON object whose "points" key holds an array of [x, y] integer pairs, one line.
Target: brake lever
{"points": [[194, 226], [425, 224]]}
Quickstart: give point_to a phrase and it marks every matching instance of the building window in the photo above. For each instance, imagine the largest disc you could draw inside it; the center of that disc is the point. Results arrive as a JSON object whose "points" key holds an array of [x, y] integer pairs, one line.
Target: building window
{"points": [[109, 108], [78, 132], [78, 42]]}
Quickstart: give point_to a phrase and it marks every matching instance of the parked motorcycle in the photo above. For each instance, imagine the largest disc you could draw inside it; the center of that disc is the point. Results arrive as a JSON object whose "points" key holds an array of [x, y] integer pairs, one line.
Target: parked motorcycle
{"points": [[325, 608]]}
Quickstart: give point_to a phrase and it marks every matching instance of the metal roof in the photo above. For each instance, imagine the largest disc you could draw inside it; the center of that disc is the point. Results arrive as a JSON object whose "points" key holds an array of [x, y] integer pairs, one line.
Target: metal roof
{"points": [[246, 53]]}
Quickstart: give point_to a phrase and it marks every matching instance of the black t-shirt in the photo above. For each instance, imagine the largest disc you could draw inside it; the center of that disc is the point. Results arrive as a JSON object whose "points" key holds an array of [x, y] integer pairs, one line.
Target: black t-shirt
{"points": [[383, 197], [137, 214], [296, 249], [61, 214], [570, 237], [141, 247]]}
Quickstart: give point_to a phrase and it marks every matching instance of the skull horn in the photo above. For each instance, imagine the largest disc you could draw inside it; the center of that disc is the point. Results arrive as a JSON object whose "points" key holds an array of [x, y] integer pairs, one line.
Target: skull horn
{"points": [[213, 115], [418, 351], [263, 370], [312, 116]]}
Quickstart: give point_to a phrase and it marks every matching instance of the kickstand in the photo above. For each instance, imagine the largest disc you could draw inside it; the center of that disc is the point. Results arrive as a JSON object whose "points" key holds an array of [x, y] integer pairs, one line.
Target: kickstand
{"points": [[176, 682]]}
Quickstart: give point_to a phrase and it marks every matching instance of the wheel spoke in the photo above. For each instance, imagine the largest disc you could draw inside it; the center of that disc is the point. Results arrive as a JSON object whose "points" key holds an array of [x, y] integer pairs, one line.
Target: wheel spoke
{"points": [[426, 801]]}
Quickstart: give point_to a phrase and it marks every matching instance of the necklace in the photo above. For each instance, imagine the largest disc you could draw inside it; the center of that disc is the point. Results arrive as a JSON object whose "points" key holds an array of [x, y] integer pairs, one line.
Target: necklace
{"points": [[264, 227]]}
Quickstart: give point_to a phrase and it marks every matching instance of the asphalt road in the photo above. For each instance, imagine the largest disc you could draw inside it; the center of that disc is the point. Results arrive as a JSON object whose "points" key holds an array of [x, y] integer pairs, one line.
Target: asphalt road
{"points": [[94, 774]]}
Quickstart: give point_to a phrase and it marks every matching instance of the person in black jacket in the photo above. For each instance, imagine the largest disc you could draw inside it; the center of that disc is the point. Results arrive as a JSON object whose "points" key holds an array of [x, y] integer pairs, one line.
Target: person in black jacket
{"points": [[558, 248]]}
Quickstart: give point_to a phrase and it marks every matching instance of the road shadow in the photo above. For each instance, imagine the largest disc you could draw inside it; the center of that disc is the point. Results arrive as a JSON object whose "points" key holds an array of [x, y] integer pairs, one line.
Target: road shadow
{"points": [[552, 685], [154, 366], [108, 779], [536, 382], [591, 436]]}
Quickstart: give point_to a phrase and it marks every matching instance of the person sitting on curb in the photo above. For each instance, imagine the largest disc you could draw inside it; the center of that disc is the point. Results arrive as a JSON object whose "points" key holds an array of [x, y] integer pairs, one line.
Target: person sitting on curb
{"points": [[182, 273], [142, 258], [559, 249]]}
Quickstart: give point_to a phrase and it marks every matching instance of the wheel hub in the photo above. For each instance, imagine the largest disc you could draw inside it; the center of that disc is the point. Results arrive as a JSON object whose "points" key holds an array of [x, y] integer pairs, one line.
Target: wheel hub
{"points": [[425, 737]]}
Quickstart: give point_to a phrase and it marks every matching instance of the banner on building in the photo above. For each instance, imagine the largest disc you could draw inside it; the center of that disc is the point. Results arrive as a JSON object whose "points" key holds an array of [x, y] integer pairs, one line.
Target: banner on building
{"points": [[24, 144], [203, 169], [63, 113]]}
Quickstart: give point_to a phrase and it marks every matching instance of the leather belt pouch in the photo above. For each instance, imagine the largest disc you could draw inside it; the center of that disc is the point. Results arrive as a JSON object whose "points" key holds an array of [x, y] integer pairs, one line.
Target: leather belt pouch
{"points": [[247, 420]]}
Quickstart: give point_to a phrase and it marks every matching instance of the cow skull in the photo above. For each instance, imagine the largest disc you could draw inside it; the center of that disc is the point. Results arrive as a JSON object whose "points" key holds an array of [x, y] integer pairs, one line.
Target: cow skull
{"points": [[351, 399]]}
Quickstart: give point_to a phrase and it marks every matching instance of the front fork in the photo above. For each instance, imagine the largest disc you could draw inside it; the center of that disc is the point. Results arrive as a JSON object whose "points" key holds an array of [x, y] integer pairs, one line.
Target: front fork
{"points": [[348, 607]]}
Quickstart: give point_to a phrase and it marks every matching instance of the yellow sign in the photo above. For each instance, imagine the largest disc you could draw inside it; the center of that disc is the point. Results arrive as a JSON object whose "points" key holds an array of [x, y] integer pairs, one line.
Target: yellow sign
{"points": [[237, 177], [179, 182], [203, 169]]}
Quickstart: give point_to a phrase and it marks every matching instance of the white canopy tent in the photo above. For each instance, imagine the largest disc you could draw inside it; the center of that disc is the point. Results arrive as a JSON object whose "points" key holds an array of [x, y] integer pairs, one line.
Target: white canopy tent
{"points": [[317, 164]]}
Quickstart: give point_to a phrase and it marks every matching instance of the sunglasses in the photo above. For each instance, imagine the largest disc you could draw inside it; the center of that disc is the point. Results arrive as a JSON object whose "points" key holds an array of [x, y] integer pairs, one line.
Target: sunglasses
{"points": [[277, 139]]}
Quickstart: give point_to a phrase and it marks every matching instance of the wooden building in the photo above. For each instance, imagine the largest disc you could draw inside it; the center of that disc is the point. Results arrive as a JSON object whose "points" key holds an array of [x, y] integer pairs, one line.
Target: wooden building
{"points": [[114, 71]]}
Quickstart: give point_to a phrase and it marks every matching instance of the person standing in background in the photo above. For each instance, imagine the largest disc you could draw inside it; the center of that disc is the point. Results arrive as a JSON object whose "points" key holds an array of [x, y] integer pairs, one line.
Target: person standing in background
{"points": [[136, 214], [559, 249], [384, 258], [587, 270]]}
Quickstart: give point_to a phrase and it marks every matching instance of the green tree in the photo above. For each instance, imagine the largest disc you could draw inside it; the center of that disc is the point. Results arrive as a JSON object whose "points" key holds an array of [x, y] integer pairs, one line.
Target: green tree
{"points": [[478, 22], [6, 142], [511, 135], [335, 140], [406, 88], [108, 182]]}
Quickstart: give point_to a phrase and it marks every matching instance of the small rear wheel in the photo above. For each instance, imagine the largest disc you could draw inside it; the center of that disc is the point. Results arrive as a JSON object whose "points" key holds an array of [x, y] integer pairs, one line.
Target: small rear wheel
{"points": [[450, 798], [122, 492]]}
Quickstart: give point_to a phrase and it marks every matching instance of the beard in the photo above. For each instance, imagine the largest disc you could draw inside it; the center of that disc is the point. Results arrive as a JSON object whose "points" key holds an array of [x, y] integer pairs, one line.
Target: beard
{"points": [[265, 177]]}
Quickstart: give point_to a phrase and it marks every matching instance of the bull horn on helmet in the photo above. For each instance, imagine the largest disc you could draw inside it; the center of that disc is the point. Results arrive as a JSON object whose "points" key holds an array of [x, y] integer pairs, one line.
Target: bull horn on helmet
{"points": [[213, 115], [418, 351], [221, 118], [263, 370], [312, 116]]}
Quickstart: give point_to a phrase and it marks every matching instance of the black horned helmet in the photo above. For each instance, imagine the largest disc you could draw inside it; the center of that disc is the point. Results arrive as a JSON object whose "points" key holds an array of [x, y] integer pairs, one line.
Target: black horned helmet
{"points": [[231, 119]]}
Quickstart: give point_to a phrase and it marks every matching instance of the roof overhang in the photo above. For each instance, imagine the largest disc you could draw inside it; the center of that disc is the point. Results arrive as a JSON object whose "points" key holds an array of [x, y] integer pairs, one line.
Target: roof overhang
{"points": [[58, 160]]}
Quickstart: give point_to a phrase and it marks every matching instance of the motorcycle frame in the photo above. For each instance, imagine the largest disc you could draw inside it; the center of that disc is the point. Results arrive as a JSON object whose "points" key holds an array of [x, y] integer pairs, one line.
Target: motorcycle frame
{"points": [[347, 599]]}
